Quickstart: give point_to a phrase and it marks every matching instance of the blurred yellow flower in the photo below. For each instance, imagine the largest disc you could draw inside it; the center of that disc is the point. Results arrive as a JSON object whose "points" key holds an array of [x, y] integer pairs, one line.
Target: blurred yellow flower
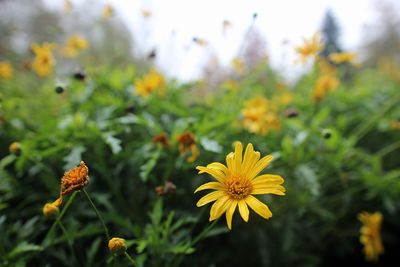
{"points": [[323, 85], [236, 184], [344, 57], [187, 142], [395, 125], [238, 65], [74, 179], [6, 70], [67, 6], [370, 235], [285, 98], [150, 82], [14, 147], [259, 116], [44, 61], [107, 11], [310, 47], [146, 13], [325, 68], [200, 42], [231, 84], [74, 44]]}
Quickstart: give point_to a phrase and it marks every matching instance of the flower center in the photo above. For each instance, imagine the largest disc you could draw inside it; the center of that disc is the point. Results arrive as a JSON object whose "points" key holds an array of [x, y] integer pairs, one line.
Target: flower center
{"points": [[238, 187]]}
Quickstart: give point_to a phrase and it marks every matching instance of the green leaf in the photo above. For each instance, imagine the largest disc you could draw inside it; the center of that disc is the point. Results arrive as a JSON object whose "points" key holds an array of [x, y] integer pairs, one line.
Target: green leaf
{"points": [[23, 248], [157, 212], [91, 253], [146, 168], [211, 145], [181, 249], [114, 143]]}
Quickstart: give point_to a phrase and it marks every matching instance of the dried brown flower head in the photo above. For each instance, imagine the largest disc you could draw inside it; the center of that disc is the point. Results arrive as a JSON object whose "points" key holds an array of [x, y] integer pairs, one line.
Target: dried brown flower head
{"points": [[168, 189], [74, 179], [161, 138], [187, 142]]}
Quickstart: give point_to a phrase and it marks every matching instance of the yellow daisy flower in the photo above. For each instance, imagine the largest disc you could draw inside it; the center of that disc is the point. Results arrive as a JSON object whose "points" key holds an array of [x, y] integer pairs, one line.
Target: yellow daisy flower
{"points": [[238, 65], [6, 70], [310, 48], [237, 183], [323, 85], [149, 83], [67, 6], [370, 236], [44, 61], [146, 13], [74, 44], [344, 57]]}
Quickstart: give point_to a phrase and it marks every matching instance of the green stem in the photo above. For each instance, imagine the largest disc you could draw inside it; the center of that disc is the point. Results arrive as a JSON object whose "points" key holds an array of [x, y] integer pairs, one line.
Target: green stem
{"points": [[197, 239], [362, 129], [58, 219], [130, 259], [65, 232], [388, 149], [97, 213]]}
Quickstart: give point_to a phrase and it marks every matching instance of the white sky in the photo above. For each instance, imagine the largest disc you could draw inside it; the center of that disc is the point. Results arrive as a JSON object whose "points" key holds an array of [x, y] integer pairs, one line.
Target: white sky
{"points": [[278, 20]]}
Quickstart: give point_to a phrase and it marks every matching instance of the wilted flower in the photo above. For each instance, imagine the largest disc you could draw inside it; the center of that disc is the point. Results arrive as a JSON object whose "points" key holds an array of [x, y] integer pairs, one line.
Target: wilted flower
{"points": [[80, 75], [291, 113], [107, 11], [187, 142], [168, 189], [370, 235], [44, 61], [75, 179], [150, 82], [6, 70], [238, 182], [162, 139], [310, 48], [344, 57], [117, 245], [50, 210], [15, 147]]}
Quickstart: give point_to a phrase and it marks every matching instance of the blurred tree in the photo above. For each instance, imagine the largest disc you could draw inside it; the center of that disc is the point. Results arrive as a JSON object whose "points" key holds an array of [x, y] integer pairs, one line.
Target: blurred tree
{"points": [[330, 33]]}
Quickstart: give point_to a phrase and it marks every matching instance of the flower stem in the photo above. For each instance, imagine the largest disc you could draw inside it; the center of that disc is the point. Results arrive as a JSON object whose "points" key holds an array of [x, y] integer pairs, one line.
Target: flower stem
{"points": [[58, 219], [97, 213], [388, 149], [65, 232], [130, 259]]}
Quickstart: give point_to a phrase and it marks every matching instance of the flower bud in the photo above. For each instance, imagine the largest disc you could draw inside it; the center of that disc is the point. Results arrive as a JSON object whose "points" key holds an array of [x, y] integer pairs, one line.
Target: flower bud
{"points": [[326, 133], [15, 147], [117, 245], [59, 89], [50, 210]]}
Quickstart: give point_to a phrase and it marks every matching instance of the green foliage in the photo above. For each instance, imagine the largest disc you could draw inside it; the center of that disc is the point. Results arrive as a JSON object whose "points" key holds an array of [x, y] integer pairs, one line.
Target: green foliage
{"points": [[329, 179]]}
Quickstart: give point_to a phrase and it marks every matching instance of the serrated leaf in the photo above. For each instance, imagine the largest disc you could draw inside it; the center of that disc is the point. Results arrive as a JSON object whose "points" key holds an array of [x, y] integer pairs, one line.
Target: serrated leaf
{"points": [[211, 145], [114, 143]]}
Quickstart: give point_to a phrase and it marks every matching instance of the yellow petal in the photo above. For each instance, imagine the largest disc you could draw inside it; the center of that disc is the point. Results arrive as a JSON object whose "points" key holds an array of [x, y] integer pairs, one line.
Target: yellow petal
{"points": [[219, 207], [259, 207], [267, 179], [251, 162], [216, 174], [230, 162], [248, 155], [277, 190], [244, 210], [209, 198], [210, 185], [238, 156], [229, 213], [220, 167], [261, 164]]}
